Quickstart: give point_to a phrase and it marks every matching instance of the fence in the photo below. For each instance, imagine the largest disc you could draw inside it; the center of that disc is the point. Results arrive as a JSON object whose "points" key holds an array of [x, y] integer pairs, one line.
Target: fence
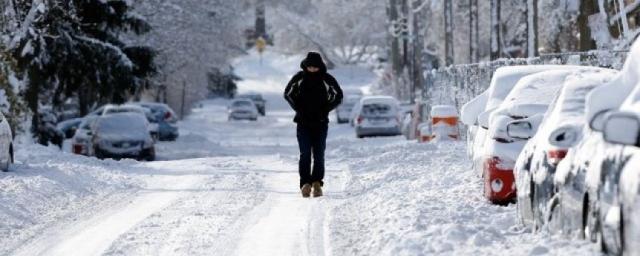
{"points": [[455, 85]]}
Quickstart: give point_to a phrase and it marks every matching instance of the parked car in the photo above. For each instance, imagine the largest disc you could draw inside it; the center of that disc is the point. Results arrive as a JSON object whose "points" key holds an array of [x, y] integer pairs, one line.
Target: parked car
{"points": [[258, 100], [81, 141], [166, 119], [242, 109], [69, 110], [343, 111], [69, 127], [6, 144], [525, 105], [130, 108], [561, 130], [377, 116], [587, 180], [481, 107], [123, 135]]}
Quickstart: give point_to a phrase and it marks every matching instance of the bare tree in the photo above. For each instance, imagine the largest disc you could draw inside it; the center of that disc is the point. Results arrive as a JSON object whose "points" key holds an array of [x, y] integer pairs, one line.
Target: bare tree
{"points": [[474, 55], [587, 8], [448, 30], [496, 48], [532, 28]]}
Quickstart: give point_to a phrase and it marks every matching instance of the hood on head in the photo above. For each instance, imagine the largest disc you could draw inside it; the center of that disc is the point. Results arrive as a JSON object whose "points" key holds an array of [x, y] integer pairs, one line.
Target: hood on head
{"points": [[313, 59]]}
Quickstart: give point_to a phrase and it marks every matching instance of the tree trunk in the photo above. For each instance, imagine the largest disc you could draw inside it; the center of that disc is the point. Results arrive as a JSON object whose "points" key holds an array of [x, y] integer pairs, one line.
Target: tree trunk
{"points": [[496, 49], [473, 31], [448, 30], [532, 28], [587, 8]]}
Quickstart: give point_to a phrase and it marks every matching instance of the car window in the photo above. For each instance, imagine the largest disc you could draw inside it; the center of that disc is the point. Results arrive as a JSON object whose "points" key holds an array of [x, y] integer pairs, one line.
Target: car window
{"points": [[376, 109]]}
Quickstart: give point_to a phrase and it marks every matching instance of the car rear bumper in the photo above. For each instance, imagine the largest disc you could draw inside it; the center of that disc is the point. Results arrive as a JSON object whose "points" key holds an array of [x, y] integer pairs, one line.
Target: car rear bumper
{"points": [[499, 183], [137, 154], [377, 131]]}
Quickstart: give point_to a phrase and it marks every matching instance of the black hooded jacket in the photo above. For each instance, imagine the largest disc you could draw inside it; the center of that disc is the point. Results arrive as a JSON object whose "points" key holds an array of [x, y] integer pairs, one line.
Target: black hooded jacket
{"points": [[313, 95]]}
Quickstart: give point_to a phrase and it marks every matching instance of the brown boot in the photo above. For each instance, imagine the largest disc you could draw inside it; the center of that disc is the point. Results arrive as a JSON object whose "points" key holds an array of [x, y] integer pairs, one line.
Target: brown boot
{"points": [[306, 190], [317, 189]]}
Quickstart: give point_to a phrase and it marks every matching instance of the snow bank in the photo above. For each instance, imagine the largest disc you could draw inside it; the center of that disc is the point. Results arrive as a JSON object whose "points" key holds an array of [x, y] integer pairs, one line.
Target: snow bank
{"points": [[423, 199], [44, 186]]}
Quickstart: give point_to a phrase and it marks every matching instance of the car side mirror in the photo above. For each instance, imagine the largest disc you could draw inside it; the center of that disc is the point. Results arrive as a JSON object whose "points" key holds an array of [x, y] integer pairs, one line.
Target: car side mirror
{"points": [[564, 137], [622, 128], [520, 129], [597, 122], [483, 119]]}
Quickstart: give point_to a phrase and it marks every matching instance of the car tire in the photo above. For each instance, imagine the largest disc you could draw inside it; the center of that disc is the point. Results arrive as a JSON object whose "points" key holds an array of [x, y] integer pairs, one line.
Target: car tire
{"points": [[151, 155]]}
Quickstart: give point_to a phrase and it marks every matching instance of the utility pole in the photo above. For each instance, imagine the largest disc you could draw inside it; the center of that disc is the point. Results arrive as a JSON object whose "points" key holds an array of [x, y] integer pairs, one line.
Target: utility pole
{"points": [[261, 25], [395, 45], [184, 93]]}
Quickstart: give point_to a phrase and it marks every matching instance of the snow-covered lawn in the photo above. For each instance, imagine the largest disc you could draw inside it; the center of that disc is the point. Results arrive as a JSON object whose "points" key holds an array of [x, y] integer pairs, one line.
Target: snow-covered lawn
{"points": [[231, 188]]}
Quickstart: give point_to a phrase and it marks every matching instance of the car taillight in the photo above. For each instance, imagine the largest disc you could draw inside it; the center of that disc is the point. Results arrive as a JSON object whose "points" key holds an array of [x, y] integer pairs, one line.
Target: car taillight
{"points": [[167, 115], [77, 148], [360, 119], [556, 155]]}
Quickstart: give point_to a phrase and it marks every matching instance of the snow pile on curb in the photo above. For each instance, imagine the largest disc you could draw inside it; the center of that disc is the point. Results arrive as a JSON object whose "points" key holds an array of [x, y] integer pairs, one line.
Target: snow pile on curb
{"points": [[45, 186], [404, 199]]}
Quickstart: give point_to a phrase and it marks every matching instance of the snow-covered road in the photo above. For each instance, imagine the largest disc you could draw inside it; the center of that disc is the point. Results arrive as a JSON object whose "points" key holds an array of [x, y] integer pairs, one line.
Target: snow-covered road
{"points": [[231, 188]]}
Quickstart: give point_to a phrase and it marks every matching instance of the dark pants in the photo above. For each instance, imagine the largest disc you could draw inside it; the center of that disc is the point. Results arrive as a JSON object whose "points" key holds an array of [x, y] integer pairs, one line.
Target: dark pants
{"points": [[312, 141]]}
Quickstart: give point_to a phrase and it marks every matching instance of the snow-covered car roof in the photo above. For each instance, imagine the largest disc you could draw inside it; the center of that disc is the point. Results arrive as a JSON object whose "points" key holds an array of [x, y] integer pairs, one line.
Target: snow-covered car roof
{"points": [[122, 126], [570, 107], [612, 94], [379, 99], [505, 79], [444, 111], [533, 93], [568, 110]]}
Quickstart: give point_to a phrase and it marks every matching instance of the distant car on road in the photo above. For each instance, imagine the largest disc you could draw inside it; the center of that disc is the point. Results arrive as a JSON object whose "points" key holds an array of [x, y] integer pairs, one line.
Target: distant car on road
{"points": [[6, 144], [377, 116], [257, 99], [343, 111], [240, 109], [123, 135], [165, 117]]}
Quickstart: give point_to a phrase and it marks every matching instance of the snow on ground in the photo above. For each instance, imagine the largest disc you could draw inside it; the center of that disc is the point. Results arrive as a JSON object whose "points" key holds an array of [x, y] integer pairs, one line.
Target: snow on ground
{"points": [[231, 188]]}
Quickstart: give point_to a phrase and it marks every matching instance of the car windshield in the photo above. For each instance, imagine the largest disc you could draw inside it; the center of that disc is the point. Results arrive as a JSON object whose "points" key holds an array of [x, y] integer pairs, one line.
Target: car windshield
{"points": [[122, 110], [376, 109], [119, 123], [242, 104]]}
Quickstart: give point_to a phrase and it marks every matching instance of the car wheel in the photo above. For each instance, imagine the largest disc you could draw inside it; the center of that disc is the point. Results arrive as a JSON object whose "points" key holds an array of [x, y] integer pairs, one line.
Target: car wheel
{"points": [[553, 215], [151, 155]]}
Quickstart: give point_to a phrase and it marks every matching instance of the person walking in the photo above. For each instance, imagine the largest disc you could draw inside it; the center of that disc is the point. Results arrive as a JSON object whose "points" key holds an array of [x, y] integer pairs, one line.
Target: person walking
{"points": [[312, 93]]}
